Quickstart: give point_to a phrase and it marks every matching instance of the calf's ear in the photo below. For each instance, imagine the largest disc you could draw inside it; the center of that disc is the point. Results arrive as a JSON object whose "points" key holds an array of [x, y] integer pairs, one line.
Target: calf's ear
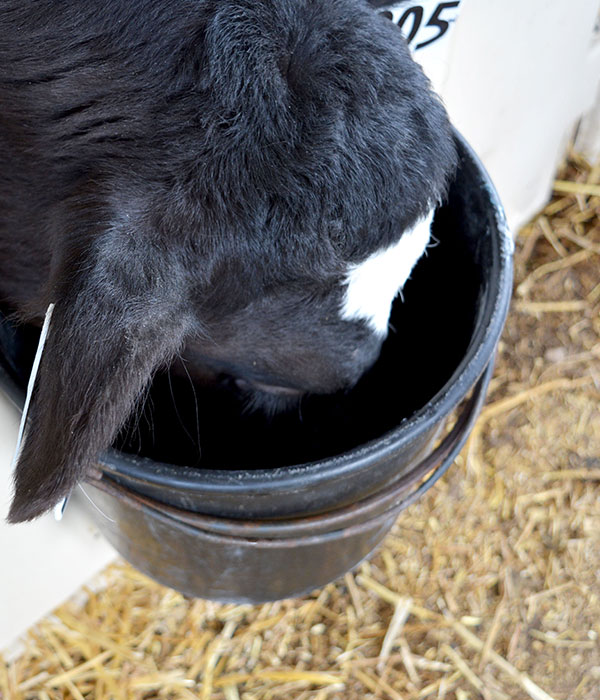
{"points": [[114, 323]]}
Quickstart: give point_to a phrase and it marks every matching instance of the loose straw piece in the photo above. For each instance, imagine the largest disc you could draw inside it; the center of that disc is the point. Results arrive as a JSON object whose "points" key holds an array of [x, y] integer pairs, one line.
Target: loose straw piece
{"points": [[74, 673], [558, 205], [394, 598], [551, 307], [491, 637], [582, 242], [551, 237], [31, 682], [584, 188], [55, 643], [511, 402], [572, 475], [409, 662], [213, 655], [354, 594], [161, 680], [376, 685], [555, 266], [312, 677], [447, 681], [594, 295], [551, 592], [401, 613], [231, 692], [379, 589], [463, 667], [75, 692], [99, 638], [563, 643]]}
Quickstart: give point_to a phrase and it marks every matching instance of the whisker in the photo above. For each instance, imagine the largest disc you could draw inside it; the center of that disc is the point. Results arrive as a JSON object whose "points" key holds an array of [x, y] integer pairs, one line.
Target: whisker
{"points": [[179, 418], [196, 410], [95, 506]]}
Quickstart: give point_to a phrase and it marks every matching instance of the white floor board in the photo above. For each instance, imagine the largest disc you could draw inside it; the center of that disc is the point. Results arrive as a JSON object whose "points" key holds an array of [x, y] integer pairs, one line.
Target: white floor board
{"points": [[44, 562]]}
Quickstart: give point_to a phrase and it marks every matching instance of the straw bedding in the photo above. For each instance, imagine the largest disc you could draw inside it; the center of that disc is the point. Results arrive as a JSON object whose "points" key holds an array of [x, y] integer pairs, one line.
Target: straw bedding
{"points": [[489, 587]]}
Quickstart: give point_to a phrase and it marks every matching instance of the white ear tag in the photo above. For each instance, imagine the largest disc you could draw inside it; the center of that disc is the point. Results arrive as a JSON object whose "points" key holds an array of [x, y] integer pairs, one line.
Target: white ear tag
{"points": [[31, 383], [59, 509]]}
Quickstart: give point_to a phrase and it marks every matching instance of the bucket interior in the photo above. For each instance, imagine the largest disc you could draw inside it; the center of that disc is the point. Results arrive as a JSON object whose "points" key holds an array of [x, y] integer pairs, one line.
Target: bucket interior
{"points": [[430, 332]]}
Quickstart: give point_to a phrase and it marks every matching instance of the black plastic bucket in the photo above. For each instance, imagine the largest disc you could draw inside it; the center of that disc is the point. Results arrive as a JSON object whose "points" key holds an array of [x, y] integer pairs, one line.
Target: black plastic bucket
{"points": [[232, 529]]}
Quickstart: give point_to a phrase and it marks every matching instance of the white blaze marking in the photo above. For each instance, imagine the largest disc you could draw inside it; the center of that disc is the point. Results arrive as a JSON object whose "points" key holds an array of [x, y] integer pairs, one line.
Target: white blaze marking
{"points": [[373, 284]]}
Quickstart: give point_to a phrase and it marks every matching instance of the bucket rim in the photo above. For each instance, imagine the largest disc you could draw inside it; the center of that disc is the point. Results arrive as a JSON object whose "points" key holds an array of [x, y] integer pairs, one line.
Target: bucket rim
{"points": [[367, 512]]}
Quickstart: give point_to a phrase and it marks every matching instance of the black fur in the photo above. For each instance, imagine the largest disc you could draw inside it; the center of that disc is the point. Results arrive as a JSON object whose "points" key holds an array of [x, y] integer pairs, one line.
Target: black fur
{"points": [[194, 176]]}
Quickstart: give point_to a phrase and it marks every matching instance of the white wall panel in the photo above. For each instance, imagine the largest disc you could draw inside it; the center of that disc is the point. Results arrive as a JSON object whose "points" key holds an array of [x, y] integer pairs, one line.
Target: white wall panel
{"points": [[516, 76]]}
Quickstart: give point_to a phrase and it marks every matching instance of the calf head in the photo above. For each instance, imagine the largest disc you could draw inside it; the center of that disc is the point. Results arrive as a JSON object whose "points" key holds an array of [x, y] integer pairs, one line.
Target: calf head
{"points": [[251, 206]]}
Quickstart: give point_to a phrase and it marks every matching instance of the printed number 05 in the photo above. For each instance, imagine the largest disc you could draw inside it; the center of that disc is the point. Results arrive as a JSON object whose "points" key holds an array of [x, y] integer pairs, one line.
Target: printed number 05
{"points": [[436, 20]]}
